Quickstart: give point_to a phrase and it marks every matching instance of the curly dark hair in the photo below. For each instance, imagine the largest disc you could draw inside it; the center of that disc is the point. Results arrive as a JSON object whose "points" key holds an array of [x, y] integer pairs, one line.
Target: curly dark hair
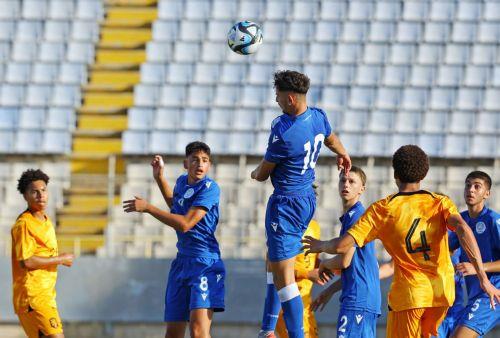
{"points": [[31, 175], [480, 175], [197, 146], [410, 164], [290, 80]]}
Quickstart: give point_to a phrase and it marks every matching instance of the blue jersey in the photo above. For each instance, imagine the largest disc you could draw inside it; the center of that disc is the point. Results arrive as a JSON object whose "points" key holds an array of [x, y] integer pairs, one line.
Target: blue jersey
{"points": [[361, 278], [486, 228], [200, 240], [294, 146], [459, 303]]}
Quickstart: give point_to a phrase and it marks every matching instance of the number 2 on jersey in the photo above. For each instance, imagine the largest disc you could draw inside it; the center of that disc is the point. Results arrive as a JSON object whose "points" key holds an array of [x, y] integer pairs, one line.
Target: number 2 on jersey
{"points": [[424, 248], [312, 157]]}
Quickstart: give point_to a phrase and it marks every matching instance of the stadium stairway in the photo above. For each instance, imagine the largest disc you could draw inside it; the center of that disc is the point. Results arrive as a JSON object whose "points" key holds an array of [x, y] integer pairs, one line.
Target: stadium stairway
{"points": [[101, 119]]}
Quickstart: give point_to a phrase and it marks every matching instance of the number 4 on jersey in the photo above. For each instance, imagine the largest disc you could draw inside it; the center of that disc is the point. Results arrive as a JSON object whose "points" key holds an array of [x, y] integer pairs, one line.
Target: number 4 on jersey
{"points": [[312, 157], [424, 248]]}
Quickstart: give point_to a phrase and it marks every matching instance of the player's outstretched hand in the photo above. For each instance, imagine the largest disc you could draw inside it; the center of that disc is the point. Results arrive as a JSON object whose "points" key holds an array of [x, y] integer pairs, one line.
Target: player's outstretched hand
{"points": [[158, 166], [66, 259], [312, 245], [492, 292], [324, 273], [315, 277], [465, 269], [138, 205], [321, 301], [344, 163]]}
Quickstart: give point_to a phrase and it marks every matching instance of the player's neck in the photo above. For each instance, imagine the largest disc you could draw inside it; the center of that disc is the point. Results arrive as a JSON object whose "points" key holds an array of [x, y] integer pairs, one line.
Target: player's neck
{"points": [[348, 204], [475, 210], [298, 110], [409, 187], [38, 214]]}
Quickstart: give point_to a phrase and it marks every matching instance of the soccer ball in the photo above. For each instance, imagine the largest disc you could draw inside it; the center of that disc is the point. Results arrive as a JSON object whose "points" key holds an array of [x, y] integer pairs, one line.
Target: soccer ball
{"points": [[244, 37]]}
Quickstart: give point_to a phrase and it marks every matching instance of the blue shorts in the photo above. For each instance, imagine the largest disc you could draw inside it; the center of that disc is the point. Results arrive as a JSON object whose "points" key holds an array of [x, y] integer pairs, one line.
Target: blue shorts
{"points": [[479, 317], [356, 323], [194, 283], [449, 323], [287, 218]]}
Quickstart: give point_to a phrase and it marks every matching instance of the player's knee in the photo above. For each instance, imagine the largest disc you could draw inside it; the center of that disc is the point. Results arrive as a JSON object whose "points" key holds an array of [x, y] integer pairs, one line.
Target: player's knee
{"points": [[198, 330]]}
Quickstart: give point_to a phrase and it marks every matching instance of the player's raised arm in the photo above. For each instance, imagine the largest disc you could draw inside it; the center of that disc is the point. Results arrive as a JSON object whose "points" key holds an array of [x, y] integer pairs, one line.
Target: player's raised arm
{"points": [[343, 160], [158, 170], [339, 245], [469, 245], [181, 223], [263, 171]]}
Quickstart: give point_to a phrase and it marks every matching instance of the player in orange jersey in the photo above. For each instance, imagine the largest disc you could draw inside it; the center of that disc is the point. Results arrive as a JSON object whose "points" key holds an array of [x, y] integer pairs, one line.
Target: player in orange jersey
{"points": [[412, 225], [306, 274], [34, 261]]}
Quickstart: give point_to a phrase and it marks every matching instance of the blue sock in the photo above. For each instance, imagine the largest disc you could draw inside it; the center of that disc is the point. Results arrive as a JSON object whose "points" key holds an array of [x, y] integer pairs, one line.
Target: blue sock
{"points": [[272, 306], [293, 310]]}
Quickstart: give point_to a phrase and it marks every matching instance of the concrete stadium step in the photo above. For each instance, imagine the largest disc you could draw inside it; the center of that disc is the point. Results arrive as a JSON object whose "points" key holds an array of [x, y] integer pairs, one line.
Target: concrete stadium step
{"points": [[94, 165], [82, 145], [95, 122], [125, 36], [131, 2], [119, 56], [83, 224], [86, 244], [137, 12]]}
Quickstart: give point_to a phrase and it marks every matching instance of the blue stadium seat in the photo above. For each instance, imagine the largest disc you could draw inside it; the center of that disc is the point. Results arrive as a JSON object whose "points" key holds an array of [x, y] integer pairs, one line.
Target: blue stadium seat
{"points": [[388, 98], [217, 30], [305, 10], [82, 52], [137, 142], [220, 119], [442, 11], [207, 73], [354, 31], [402, 54], [45, 72], [172, 95], [381, 121], [8, 118], [436, 32], [159, 51], [186, 51], [422, 76], [449, 76], [153, 73], [360, 10], [464, 32], [469, 99], [73, 73], [327, 31], [430, 54], [87, 31], [52, 51], [7, 29], [395, 75], [167, 119], [233, 73], [140, 118], [408, 32], [200, 96], [18, 72], [10, 9], [224, 9], [38, 95], [171, 9], [61, 118], [456, 54], [388, 10], [56, 142], [408, 121], [28, 141], [24, 51], [469, 11], [277, 10], [197, 9], [320, 52], [191, 30]]}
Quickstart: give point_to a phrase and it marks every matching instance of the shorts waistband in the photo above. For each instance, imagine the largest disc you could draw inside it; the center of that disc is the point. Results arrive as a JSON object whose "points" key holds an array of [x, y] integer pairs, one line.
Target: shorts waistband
{"points": [[298, 193]]}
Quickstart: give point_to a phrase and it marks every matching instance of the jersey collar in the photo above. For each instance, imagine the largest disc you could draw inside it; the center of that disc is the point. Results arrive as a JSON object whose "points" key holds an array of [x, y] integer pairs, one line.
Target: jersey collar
{"points": [[352, 210], [481, 214]]}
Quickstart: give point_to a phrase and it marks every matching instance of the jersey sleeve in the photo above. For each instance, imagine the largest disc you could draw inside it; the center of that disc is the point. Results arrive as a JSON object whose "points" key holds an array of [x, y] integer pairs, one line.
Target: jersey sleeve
{"points": [[448, 208], [453, 242], [496, 230], [24, 244], [328, 127], [208, 196], [276, 148], [366, 228]]}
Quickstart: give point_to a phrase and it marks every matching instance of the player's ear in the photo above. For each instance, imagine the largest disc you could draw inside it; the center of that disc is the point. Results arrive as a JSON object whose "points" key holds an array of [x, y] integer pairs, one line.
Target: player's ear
{"points": [[487, 194], [185, 162]]}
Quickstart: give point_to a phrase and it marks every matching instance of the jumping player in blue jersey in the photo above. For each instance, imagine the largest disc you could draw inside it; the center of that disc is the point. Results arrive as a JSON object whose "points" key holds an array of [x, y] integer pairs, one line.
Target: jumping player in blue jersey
{"points": [[360, 306], [293, 149], [479, 317], [195, 287]]}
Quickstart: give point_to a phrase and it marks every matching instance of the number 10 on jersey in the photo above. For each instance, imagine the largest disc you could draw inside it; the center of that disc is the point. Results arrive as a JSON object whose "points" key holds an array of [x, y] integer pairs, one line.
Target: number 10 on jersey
{"points": [[312, 157]]}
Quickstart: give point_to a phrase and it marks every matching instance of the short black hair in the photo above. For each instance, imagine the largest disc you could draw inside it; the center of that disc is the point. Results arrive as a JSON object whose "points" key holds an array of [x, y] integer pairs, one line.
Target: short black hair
{"points": [[197, 146], [31, 175], [290, 80], [410, 164], [480, 175]]}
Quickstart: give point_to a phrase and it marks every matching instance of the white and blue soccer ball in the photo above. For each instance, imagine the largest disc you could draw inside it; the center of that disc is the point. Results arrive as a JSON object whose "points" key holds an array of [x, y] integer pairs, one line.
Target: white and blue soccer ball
{"points": [[245, 37]]}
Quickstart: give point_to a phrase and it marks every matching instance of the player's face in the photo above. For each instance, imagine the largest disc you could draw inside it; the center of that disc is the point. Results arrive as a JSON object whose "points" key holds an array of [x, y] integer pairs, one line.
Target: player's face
{"points": [[283, 99], [350, 187], [37, 195], [476, 191], [197, 165]]}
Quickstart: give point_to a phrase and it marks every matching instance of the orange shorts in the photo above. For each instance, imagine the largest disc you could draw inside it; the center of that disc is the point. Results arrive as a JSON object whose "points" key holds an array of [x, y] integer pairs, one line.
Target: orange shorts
{"points": [[415, 323], [45, 320]]}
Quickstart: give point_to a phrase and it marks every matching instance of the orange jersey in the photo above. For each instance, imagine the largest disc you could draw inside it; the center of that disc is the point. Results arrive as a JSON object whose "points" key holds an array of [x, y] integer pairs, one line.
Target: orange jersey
{"points": [[33, 288], [412, 227], [304, 264]]}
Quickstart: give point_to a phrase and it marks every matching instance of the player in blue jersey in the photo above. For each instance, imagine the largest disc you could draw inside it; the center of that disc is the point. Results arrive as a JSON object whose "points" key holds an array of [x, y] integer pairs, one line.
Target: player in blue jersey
{"points": [[293, 148], [360, 306], [195, 287], [479, 317], [454, 313]]}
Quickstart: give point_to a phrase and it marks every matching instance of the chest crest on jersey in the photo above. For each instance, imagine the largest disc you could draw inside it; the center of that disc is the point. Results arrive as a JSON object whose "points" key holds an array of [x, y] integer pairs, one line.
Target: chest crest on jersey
{"points": [[181, 202], [480, 227], [189, 193]]}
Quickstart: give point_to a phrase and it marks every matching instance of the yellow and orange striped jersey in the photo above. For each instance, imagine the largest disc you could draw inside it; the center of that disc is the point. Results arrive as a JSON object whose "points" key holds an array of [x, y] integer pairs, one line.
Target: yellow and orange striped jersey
{"points": [[33, 288], [304, 264], [412, 227]]}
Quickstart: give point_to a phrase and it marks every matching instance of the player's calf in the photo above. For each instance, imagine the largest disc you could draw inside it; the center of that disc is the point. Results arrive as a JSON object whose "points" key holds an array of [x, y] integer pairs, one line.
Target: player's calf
{"points": [[200, 321]]}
